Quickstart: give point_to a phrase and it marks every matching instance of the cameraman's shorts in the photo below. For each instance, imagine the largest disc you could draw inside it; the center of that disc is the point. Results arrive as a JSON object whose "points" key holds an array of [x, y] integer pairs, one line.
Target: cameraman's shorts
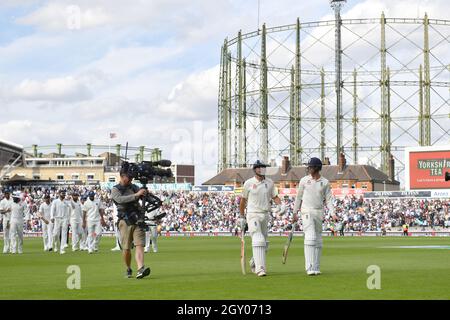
{"points": [[131, 234]]}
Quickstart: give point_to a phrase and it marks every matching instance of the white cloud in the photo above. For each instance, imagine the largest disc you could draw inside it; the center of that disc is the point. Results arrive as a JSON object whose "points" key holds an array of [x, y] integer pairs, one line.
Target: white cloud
{"points": [[66, 89], [193, 99]]}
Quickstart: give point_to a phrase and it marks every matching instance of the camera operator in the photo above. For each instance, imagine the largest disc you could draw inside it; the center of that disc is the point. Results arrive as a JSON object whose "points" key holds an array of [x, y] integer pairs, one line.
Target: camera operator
{"points": [[126, 197]]}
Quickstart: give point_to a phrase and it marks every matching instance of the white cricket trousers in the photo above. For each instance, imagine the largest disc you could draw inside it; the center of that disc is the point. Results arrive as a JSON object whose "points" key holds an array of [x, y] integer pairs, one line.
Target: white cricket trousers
{"points": [[47, 235], [257, 227], [77, 234], [16, 236], [152, 236], [6, 235], [94, 235], [312, 227], [60, 228]]}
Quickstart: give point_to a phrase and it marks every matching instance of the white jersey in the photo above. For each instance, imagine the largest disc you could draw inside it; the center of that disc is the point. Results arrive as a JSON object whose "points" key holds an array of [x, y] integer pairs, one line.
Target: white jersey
{"points": [[18, 212], [5, 205], [92, 209], [259, 195], [45, 211], [76, 212], [60, 209], [313, 194]]}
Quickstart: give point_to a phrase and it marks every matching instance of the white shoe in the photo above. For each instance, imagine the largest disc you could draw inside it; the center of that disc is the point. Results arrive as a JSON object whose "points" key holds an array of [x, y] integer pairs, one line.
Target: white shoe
{"points": [[311, 273], [5, 251], [74, 249], [90, 251], [146, 250], [20, 252], [63, 252], [155, 251], [317, 273], [115, 249], [261, 273], [65, 246]]}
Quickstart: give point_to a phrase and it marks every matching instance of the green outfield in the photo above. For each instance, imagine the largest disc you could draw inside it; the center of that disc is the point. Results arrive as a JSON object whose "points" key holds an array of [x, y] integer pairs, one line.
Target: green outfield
{"points": [[209, 268]]}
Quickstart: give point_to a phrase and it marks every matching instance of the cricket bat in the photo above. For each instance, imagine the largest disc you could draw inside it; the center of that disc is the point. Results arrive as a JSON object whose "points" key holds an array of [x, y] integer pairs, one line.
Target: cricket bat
{"points": [[243, 268], [288, 244]]}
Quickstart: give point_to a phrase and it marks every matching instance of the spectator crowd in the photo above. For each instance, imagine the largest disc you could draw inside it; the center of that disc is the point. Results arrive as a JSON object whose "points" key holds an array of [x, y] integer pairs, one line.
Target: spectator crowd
{"points": [[218, 211]]}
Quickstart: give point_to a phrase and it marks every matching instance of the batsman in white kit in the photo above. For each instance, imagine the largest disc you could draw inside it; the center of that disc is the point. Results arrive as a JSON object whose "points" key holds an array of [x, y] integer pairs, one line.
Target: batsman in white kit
{"points": [[76, 222], [313, 192], [47, 226], [5, 213], [17, 219], [60, 215], [93, 211], [257, 195]]}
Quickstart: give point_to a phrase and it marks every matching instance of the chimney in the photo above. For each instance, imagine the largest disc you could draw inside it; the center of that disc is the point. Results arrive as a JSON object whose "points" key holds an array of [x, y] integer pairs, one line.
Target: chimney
{"points": [[285, 165], [342, 162], [391, 168]]}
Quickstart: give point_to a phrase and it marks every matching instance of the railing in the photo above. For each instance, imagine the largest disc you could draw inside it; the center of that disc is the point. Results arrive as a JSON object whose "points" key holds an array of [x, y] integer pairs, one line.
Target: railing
{"points": [[277, 234]]}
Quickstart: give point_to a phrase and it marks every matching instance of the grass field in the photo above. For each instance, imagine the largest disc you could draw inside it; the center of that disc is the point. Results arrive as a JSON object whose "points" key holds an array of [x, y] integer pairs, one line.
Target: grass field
{"points": [[209, 268]]}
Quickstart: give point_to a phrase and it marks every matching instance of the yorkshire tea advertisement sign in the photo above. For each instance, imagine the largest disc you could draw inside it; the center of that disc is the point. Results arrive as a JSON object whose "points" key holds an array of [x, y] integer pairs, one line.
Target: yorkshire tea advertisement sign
{"points": [[426, 167]]}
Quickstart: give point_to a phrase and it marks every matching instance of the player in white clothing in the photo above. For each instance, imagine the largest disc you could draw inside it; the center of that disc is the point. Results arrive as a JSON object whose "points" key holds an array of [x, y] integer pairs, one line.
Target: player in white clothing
{"points": [[93, 211], [60, 214], [5, 213], [151, 236], [84, 235], [17, 219], [257, 195], [313, 191], [76, 222], [47, 226], [116, 229]]}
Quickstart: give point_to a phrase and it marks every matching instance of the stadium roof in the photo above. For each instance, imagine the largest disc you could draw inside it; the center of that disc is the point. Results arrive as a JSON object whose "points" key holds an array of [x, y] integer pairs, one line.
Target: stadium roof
{"points": [[11, 154], [330, 172]]}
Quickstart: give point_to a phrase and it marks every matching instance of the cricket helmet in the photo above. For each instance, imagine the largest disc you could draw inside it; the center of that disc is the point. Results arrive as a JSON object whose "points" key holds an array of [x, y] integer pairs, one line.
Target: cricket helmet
{"points": [[259, 164], [315, 163]]}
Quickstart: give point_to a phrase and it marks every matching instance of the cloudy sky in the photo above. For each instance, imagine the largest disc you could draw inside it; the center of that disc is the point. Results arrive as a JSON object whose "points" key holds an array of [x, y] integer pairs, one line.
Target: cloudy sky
{"points": [[72, 71]]}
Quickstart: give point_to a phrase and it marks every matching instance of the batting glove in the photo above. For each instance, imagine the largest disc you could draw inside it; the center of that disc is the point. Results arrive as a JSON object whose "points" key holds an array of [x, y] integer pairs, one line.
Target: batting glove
{"points": [[242, 223]]}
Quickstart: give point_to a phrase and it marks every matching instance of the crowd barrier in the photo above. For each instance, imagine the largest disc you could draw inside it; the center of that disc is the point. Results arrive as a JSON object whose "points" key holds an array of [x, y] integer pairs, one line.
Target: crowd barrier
{"points": [[429, 233]]}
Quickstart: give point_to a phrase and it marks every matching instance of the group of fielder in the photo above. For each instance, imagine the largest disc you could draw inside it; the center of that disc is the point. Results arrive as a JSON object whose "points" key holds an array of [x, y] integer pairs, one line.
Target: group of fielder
{"points": [[85, 216]]}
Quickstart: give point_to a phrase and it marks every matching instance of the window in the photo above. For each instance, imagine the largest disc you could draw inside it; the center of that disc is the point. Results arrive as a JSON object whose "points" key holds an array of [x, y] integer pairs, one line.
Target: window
{"points": [[112, 179], [75, 176], [345, 185], [60, 176], [353, 186], [90, 176], [36, 177], [364, 186]]}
